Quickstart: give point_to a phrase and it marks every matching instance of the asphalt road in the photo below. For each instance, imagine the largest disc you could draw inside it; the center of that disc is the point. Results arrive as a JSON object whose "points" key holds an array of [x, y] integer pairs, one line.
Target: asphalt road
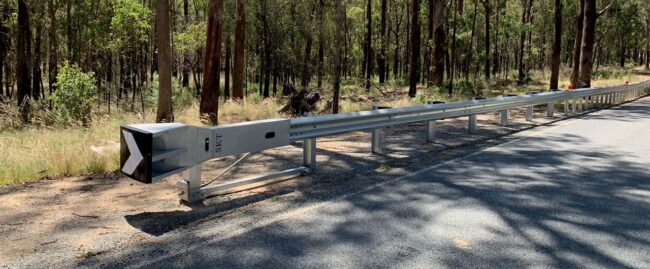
{"points": [[573, 194]]}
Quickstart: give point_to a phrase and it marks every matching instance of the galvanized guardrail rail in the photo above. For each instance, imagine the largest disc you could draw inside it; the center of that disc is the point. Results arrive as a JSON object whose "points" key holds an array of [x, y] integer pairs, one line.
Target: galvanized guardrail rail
{"points": [[151, 152]]}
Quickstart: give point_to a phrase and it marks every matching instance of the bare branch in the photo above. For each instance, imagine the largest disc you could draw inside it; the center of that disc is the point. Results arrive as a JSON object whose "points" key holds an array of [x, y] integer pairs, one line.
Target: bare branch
{"points": [[601, 12]]}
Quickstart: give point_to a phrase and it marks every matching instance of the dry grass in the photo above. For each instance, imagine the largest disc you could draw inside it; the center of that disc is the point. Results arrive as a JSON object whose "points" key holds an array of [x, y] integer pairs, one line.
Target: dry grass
{"points": [[28, 153]]}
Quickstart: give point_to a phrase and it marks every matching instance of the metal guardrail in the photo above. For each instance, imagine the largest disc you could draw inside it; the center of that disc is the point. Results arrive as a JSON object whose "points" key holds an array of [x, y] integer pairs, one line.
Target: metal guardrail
{"points": [[173, 148]]}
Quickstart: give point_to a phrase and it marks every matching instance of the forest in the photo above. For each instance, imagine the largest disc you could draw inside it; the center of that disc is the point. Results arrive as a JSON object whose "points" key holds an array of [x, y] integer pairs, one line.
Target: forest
{"points": [[82, 64]]}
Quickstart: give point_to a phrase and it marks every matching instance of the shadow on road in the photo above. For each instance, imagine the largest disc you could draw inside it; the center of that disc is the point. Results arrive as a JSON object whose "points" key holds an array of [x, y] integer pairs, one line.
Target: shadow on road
{"points": [[337, 176], [552, 195]]}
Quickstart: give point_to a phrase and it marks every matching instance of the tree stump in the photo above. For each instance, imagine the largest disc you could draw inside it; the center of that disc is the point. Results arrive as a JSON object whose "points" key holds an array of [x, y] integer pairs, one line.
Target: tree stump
{"points": [[301, 103]]}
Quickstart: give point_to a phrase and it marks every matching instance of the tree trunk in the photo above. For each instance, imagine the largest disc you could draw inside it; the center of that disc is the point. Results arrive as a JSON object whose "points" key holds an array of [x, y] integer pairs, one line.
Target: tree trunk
{"points": [[23, 60], [4, 48], [266, 38], [226, 91], [622, 52], [37, 77], [339, 36], [522, 40], [53, 69], [384, 42], [588, 37], [209, 106], [557, 46], [396, 53], [575, 73], [468, 60], [368, 47], [306, 65], [185, 62], [321, 45], [486, 5], [240, 45], [415, 47], [647, 43], [439, 49], [165, 111], [452, 63], [495, 57]]}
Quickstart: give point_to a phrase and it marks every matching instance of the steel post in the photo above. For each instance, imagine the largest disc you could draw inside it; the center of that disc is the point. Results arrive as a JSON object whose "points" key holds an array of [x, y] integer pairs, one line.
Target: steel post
{"points": [[189, 188], [504, 117], [471, 128], [574, 106], [309, 153], [431, 131], [566, 107], [550, 109], [377, 141]]}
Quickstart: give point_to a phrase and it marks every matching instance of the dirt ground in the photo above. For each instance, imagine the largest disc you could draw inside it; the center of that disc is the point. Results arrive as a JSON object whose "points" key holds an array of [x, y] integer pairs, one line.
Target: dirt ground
{"points": [[80, 217]]}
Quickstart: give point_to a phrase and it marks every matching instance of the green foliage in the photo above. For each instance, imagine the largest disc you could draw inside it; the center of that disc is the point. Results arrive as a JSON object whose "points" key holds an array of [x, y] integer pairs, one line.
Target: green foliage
{"points": [[131, 22], [254, 97], [191, 39], [467, 88], [609, 73], [419, 98], [76, 91]]}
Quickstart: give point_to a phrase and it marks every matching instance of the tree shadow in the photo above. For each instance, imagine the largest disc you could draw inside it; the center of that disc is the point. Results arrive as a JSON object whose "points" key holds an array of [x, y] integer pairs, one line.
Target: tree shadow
{"points": [[549, 205], [337, 177]]}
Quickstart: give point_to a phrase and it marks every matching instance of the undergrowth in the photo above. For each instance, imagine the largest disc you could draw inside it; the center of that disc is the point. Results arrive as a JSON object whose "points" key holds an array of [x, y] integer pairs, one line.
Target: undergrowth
{"points": [[47, 147]]}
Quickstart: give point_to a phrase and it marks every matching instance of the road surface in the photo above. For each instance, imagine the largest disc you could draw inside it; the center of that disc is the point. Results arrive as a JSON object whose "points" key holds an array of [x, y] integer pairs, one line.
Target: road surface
{"points": [[575, 193]]}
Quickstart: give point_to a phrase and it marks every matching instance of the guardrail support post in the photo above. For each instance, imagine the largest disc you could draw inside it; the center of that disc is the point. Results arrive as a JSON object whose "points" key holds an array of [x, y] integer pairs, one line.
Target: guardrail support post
{"points": [[377, 141], [504, 117], [309, 153], [471, 128], [431, 131], [189, 188], [566, 107], [529, 113], [610, 99], [573, 106], [550, 109], [599, 100]]}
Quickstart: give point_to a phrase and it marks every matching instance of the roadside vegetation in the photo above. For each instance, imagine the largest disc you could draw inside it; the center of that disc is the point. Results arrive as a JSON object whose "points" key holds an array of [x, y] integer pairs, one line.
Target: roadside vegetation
{"points": [[55, 144], [71, 72]]}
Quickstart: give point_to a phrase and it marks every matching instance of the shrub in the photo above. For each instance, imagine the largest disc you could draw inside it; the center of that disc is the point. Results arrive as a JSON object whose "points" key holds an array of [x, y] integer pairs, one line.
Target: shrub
{"points": [[75, 93], [254, 97], [419, 98], [467, 88]]}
